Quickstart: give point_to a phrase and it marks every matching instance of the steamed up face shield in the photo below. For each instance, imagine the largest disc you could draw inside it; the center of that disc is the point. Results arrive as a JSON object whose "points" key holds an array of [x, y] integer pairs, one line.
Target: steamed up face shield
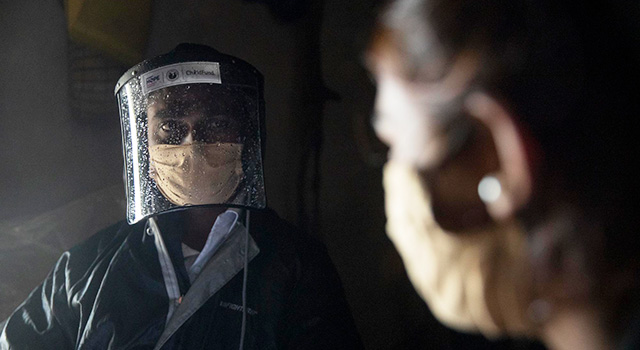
{"points": [[191, 133]]}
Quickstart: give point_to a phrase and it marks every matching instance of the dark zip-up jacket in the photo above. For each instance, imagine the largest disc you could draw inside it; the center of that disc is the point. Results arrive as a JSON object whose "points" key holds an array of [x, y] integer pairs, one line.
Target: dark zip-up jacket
{"points": [[109, 293]]}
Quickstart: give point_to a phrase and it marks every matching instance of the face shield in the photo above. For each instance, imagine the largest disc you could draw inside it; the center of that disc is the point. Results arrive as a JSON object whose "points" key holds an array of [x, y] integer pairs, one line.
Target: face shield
{"points": [[192, 132]]}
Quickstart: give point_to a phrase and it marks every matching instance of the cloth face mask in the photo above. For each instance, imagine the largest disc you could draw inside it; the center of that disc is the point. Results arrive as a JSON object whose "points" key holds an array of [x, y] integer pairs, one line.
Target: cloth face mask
{"points": [[197, 174], [472, 281]]}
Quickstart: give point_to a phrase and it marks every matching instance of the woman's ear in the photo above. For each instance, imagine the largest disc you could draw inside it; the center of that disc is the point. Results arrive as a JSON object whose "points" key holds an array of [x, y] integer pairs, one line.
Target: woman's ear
{"points": [[509, 188]]}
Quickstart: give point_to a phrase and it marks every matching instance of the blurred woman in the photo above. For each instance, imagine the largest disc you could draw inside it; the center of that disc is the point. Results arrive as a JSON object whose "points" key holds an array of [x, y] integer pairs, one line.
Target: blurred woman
{"points": [[511, 186]]}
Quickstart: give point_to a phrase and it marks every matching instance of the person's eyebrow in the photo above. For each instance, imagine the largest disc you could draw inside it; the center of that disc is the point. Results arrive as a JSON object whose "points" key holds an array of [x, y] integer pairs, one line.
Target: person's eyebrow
{"points": [[163, 114]]}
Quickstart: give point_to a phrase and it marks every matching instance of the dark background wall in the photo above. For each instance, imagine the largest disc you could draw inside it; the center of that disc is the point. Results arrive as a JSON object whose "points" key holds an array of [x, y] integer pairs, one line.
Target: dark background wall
{"points": [[61, 162]]}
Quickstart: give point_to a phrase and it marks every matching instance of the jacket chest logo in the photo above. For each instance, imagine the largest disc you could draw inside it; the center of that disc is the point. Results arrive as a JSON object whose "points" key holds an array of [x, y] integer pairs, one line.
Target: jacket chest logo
{"points": [[238, 308]]}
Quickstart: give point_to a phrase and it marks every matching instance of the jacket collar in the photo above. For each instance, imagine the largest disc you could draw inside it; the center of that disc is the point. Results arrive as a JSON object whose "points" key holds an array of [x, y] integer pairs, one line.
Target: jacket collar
{"points": [[228, 261]]}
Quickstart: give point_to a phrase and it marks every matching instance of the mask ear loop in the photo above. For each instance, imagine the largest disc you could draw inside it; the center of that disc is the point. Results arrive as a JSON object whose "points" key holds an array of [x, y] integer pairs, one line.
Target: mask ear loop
{"points": [[244, 281]]}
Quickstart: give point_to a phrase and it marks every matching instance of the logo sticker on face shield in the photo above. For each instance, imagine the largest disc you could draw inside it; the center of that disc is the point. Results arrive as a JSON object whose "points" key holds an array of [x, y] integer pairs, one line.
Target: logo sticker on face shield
{"points": [[151, 81], [181, 73], [173, 75]]}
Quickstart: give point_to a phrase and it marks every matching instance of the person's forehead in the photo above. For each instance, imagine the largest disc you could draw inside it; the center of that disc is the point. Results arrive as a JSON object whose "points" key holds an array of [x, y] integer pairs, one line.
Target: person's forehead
{"points": [[389, 68], [383, 54], [185, 101], [194, 92]]}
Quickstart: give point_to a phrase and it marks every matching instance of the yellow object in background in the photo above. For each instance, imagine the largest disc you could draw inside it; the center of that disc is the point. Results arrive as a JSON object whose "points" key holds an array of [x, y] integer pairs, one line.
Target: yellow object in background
{"points": [[117, 28]]}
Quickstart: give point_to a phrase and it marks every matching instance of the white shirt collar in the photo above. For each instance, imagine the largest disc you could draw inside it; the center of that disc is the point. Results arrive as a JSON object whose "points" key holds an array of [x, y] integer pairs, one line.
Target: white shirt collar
{"points": [[221, 229]]}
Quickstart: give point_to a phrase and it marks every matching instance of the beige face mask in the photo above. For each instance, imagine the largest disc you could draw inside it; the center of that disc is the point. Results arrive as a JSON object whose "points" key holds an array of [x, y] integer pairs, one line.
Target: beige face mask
{"points": [[472, 281], [197, 173]]}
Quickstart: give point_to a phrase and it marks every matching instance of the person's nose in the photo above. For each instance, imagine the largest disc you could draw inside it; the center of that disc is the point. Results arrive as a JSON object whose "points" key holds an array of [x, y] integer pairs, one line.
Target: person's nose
{"points": [[188, 139], [189, 134], [385, 114]]}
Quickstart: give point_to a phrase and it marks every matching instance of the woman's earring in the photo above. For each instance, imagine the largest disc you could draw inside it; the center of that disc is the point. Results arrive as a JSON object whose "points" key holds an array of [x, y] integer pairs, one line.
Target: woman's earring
{"points": [[490, 189], [496, 196]]}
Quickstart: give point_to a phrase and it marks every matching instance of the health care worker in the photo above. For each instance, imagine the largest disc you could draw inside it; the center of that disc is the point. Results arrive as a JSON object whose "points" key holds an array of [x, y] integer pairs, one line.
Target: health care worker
{"points": [[201, 263]]}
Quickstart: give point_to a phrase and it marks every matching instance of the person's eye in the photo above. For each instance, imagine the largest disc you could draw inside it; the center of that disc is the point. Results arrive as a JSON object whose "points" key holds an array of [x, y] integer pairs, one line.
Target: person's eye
{"points": [[169, 126], [171, 132]]}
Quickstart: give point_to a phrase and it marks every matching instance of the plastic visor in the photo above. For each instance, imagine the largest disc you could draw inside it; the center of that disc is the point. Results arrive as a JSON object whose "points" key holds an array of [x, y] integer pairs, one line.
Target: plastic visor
{"points": [[189, 139]]}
